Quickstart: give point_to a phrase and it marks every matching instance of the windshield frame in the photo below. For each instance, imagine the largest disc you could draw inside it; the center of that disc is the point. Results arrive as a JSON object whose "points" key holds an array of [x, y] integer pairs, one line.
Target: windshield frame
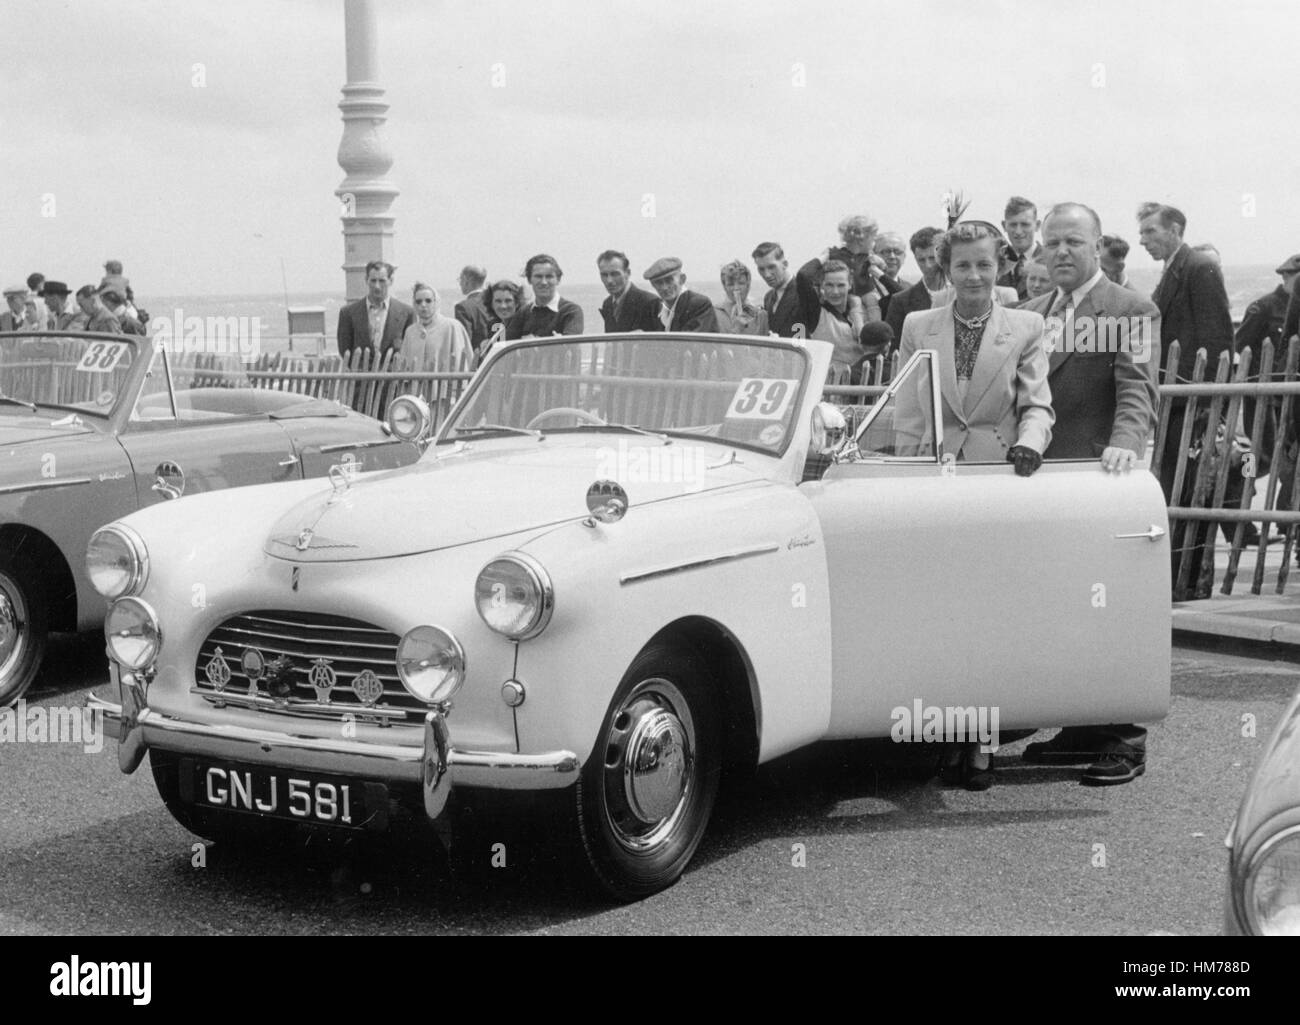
{"points": [[124, 401], [446, 433]]}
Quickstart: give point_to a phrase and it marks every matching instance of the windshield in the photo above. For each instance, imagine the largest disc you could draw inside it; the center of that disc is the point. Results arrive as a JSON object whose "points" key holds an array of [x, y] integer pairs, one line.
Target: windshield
{"points": [[77, 372], [742, 393]]}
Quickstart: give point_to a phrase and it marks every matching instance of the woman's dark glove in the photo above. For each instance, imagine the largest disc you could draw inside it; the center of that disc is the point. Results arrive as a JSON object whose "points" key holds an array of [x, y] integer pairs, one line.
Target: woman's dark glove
{"points": [[1025, 460]]}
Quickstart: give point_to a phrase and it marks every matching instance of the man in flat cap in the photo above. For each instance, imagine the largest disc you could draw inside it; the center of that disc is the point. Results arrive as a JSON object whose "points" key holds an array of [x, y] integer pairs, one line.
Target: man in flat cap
{"points": [[680, 309], [19, 316], [55, 294], [97, 317], [1263, 320]]}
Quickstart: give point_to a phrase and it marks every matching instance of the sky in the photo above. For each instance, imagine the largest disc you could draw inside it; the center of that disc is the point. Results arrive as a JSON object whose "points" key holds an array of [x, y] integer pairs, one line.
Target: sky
{"points": [[198, 141]]}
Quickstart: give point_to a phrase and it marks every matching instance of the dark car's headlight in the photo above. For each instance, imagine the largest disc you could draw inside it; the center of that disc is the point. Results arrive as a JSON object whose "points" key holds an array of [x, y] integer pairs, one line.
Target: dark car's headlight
{"points": [[117, 561], [1271, 886], [133, 634], [514, 596], [409, 417], [431, 663]]}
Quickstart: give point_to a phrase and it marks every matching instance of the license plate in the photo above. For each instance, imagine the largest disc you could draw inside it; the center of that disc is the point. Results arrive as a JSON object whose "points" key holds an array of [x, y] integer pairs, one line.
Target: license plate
{"points": [[285, 794]]}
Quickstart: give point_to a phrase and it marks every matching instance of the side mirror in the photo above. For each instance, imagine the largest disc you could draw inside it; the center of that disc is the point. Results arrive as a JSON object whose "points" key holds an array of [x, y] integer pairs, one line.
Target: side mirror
{"points": [[829, 429]]}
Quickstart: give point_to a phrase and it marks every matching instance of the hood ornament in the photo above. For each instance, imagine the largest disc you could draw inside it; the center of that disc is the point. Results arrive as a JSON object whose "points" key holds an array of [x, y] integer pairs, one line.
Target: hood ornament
{"points": [[304, 539]]}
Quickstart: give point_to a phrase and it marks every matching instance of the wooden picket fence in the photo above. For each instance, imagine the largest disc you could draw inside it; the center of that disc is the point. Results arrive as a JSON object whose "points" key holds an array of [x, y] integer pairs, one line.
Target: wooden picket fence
{"points": [[1210, 456], [363, 381]]}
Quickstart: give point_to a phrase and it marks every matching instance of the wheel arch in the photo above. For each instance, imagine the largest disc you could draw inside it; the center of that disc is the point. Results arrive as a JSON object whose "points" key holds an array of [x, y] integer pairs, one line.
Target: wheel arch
{"points": [[37, 551], [730, 666]]}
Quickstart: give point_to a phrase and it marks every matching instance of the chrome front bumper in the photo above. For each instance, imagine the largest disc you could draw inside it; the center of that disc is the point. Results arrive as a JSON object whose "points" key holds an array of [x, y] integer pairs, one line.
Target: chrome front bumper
{"points": [[436, 766]]}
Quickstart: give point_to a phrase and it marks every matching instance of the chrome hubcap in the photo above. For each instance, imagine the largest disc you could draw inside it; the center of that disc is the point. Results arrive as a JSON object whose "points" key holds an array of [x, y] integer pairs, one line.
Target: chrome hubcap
{"points": [[654, 771], [649, 765], [13, 626]]}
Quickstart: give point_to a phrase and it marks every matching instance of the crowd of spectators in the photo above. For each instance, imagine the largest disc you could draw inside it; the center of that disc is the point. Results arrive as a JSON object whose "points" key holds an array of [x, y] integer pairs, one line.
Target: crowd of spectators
{"points": [[42, 304]]}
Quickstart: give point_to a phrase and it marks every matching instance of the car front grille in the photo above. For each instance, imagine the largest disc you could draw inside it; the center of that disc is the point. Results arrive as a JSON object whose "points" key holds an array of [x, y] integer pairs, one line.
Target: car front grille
{"points": [[298, 649]]}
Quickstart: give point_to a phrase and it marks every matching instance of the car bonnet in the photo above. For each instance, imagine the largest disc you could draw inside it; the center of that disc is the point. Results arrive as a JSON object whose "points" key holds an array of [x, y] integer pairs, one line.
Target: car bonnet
{"points": [[492, 489]]}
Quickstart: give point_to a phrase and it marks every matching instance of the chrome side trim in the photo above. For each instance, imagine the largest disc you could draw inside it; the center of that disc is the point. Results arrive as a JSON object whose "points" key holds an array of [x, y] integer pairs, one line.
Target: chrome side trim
{"points": [[344, 446], [681, 567], [45, 485]]}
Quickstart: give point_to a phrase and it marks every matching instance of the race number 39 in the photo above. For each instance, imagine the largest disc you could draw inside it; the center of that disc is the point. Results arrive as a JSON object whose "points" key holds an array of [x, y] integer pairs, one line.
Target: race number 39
{"points": [[760, 398], [101, 357]]}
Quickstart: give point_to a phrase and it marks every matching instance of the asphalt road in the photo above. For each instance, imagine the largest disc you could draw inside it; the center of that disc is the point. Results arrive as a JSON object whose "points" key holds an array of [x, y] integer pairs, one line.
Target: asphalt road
{"points": [[836, 839]]}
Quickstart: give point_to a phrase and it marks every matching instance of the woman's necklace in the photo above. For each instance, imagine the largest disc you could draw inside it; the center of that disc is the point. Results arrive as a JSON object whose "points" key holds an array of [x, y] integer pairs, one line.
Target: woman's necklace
{"points": [[975, 322]]}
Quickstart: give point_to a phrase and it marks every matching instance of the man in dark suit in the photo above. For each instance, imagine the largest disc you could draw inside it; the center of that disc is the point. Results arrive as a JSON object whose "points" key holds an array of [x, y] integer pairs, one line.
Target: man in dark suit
{"points": [[793, 302], [1194, 312], [377, 316], [679, 308], [924, 245], [889, 247], [1020, 222], [472, 310], [627, 308], [1103, 353]]}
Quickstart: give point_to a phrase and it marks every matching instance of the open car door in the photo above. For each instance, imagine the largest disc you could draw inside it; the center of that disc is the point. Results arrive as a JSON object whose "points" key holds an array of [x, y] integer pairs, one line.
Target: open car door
{"points": [[961, 584]]}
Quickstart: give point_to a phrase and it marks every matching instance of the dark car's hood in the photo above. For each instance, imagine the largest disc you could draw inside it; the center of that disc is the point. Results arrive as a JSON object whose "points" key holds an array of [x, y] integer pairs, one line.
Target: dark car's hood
{"points": [[497, 488]]}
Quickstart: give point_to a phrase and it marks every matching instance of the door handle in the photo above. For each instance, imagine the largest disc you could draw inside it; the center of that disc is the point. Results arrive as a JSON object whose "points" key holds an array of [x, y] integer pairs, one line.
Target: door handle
{"points": [[1155, 533], [291, 461]]}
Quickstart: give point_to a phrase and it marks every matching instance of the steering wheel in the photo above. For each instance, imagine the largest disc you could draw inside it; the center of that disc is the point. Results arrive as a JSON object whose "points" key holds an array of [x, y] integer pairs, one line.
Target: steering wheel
{"points": [[580, 414]]}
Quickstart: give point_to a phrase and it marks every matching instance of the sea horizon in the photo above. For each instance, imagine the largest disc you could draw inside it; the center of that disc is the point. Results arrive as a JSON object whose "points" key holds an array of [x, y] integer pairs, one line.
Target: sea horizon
{"points": [[1244, 282]]}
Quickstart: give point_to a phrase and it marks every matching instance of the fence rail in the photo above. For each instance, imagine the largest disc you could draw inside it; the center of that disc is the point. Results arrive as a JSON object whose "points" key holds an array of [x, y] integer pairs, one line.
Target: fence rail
{"points": [[1209, 475]]}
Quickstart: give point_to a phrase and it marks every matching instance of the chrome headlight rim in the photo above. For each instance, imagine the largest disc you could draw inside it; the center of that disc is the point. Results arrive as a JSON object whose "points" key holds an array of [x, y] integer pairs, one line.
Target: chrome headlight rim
{"points": [[541, 581], [149, 618], [424, 417], [460, 666], [139, 554], [1275, 834]]}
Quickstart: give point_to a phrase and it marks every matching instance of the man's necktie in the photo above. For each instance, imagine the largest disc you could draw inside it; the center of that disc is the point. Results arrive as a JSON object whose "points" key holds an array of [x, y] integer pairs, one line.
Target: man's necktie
{"points": [[666, 316]]}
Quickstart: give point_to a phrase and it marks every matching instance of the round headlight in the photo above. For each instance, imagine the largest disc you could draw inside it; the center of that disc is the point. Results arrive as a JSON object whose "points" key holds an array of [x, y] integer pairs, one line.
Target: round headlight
{"points": [[409, 417], [1273, 886], [514, 596], [132, 632], [431, 663], [117, 561]]}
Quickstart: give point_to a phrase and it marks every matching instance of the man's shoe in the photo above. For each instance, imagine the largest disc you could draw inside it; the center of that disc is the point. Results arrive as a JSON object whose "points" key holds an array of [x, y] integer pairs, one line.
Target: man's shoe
{"points": [[1114, 768], [1056, 752]]}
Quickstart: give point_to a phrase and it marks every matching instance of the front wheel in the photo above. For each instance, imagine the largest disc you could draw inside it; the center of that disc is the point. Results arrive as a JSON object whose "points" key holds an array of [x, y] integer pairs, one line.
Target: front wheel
{"points": [[645, 795], [23, 627]]}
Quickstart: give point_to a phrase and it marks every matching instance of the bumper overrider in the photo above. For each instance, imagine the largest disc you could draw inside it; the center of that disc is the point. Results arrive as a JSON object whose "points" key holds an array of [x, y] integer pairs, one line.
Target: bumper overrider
{"points": [[436, 766]]}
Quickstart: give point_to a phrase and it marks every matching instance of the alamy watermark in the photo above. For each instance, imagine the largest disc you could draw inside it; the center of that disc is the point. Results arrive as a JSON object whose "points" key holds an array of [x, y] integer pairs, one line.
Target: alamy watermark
{"points": [[1134, 335], [219, 336], [36, 724], [654, 464], [932, 724]]}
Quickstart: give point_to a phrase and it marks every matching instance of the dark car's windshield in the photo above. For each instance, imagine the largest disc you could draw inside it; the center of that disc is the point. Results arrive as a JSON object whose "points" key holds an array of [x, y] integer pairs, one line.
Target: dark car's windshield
{"points": [[743, 393], [78, 372]]}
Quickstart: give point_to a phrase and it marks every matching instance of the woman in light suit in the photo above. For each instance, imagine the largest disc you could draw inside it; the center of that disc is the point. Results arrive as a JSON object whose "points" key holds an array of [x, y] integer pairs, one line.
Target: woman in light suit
{"points": [[992, 363], [992, 369]]}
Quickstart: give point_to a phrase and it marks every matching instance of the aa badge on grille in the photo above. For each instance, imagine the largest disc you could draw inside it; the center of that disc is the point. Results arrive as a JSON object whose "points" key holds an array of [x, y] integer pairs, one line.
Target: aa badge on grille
{"points": [[217, 671], [368, 688], [322, 678]]}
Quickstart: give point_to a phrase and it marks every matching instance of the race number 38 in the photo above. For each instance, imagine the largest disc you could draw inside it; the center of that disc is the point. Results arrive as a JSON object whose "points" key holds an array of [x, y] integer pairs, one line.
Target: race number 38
{"points": [[760, 398], [101, 357]]}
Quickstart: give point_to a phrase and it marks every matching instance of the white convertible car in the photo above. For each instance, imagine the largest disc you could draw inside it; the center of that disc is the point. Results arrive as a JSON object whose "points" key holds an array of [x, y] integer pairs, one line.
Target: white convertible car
{"points": [[625, 565]]}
